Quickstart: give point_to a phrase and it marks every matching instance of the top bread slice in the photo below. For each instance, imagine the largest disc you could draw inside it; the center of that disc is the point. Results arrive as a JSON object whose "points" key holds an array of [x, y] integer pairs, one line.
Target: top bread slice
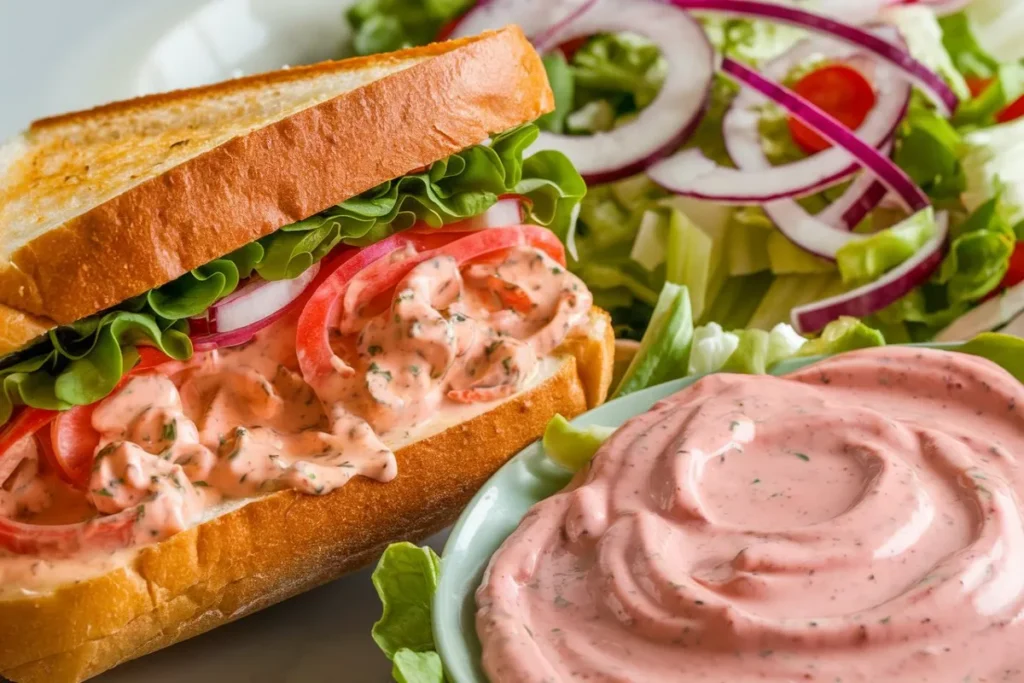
{"points": [[102, 205]]}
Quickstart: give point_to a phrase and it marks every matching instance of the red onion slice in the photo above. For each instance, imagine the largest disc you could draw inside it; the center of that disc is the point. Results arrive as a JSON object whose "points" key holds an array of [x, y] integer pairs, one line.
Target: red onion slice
{"points": [[891, 175], [535, 17], [676, 111], [876, 295], [988, 316], [692, 174], [236, 318], [923, 77]]}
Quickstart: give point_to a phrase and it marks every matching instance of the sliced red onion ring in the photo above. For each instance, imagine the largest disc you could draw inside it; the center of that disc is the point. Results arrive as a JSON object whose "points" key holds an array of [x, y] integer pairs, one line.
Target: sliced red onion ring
{"points": [[692, 174], [535, 17], [675, 112], [236, 318], [506, 211], [988, 316], [1015, 327], [923, 77], [876, 295], [891, 175]]}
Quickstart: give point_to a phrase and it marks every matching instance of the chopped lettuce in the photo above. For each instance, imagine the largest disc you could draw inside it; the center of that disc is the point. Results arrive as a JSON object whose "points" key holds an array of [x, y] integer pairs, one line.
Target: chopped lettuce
{"points": [[622, 69], [690, 258], [563, 85], [969, 58], [923, 35], [844, 334], [1006, 87], [712, 347], [570, 446], [928, 149], [387, 25], [665, 347], [81, 363], [977, 259], [993, 162], [866, 260]]}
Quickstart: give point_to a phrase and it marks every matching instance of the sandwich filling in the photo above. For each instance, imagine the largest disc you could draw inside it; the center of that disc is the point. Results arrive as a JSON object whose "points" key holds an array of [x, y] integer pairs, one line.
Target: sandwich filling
{"points": [[419, 334]]}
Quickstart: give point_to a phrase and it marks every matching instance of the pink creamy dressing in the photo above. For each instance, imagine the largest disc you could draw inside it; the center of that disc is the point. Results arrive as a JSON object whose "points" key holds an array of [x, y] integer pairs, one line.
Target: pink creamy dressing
{"points": [[859, 520], [237, 422]]}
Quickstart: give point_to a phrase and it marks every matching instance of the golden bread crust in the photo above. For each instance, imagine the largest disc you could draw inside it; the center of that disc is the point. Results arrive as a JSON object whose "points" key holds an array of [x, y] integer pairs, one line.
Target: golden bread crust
{"points": [[281, 173]]}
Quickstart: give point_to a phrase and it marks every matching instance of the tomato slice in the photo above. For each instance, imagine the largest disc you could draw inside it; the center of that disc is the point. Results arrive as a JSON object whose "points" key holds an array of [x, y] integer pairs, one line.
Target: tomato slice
{"points": [[840, 90], [26, 421], [1011, 112], [72, 441], [332, 301]]}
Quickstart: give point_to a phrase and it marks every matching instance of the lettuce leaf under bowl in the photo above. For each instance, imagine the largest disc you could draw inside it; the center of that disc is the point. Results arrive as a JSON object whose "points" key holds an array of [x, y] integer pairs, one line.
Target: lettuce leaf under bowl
{"points": [[406, 579], [81, 363]]}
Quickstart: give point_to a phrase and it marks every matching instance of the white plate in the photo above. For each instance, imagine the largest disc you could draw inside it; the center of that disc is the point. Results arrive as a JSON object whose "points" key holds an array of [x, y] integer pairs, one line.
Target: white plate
{"points": [[103, 50], [93, 52]]}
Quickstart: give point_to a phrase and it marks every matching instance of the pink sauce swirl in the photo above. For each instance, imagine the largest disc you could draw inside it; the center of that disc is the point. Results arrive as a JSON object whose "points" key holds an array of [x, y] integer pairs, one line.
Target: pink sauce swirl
{"points": [[859, 520]]}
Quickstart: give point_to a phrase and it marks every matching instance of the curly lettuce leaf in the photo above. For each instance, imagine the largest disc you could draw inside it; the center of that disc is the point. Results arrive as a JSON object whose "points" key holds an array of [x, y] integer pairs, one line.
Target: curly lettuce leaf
{"points": [[978, 258], [85, 361], [81, 363], [388, 25]]}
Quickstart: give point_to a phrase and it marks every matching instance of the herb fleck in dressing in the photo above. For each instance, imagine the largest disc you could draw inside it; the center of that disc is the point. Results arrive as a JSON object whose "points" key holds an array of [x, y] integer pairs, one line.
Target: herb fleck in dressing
{"points": [[870, 529], [241, 421]]}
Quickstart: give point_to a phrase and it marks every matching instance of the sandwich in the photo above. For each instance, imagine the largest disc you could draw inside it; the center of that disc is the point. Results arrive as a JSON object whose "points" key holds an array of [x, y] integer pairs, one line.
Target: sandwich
{"points": [[252, 333]]}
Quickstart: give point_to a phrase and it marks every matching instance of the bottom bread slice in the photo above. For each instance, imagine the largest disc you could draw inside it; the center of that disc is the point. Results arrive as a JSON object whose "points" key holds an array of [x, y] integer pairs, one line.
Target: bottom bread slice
{"points": [[286, 543]]}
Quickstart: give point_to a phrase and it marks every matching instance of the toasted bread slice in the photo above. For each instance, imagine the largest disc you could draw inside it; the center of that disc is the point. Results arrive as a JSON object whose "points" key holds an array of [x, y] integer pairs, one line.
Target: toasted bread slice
{"points": [[285, 543], [102, 205]]}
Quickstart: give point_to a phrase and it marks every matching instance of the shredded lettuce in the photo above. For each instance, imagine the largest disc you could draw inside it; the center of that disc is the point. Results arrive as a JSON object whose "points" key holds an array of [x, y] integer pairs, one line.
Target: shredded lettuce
{"points": [[81, 363], [388, 25], [570, 446], [665, 347], [993, 162]]}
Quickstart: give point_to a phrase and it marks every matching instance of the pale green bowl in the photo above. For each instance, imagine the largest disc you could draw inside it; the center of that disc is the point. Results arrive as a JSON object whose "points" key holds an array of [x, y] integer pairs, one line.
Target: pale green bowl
{"points": [[495, 512]]}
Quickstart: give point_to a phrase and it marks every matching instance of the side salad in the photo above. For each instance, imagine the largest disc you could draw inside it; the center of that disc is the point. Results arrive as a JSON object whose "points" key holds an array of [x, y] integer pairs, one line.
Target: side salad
{"points": [[786, 161], [407, 576]]}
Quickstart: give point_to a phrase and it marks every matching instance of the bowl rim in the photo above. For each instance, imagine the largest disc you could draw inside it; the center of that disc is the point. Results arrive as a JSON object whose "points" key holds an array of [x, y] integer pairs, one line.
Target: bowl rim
{"points": [[454, 605]]}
